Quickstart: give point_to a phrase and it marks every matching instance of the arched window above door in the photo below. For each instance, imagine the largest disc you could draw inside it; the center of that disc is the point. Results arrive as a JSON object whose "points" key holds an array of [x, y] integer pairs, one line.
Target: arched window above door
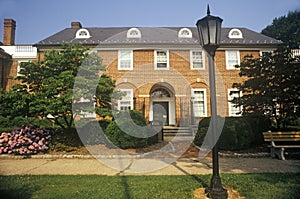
{"points": [[160, 93]]}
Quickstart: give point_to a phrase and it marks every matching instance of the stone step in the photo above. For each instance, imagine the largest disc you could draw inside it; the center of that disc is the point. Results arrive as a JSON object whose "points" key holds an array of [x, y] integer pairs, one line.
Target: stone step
{"points": [[177, 131]]}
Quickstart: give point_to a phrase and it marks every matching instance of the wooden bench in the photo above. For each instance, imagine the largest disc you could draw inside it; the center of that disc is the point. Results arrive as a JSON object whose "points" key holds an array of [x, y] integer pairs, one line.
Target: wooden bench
{"points": [[281, 140]]}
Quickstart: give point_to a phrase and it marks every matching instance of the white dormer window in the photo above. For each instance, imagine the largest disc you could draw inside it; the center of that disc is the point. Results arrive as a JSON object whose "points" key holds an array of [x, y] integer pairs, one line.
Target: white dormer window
{"points": [[235, 34], [82, 34], [185, 33], [134, 33]]}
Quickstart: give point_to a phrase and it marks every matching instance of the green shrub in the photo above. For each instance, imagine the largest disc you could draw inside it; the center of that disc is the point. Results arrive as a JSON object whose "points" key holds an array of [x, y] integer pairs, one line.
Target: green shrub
{"points": [[258, 125], [93, 132], [236, 134], [118, 137], [8, 124], [104, 123]]}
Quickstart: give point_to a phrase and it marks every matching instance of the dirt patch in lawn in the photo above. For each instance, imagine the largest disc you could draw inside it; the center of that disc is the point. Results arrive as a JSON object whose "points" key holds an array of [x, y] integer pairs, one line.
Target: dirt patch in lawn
{"points": [[201, 194]]}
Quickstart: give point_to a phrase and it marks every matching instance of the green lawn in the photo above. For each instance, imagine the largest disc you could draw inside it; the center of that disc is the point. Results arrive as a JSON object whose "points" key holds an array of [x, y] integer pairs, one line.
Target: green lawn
{"points": [[251, 186]]}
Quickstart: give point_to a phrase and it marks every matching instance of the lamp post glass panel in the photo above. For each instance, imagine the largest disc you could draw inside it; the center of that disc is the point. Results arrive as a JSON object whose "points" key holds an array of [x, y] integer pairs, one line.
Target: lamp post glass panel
{"points": [[209, 29]]}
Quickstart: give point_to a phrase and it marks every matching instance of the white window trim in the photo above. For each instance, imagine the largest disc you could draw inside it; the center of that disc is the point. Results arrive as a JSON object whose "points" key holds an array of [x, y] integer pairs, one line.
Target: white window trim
{"points": [[78, 36], [229, 98], [155, 60], [19, 66], [265, 51], [205, 101], [129, 35], [131, 60], [85, 114], [131, 98], [181, 35], [239, 36], [203, 59], [227, 64]]}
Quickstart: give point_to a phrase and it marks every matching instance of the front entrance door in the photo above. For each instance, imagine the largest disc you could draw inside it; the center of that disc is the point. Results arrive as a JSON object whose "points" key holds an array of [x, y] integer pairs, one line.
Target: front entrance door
{"points": [[161, 112]]}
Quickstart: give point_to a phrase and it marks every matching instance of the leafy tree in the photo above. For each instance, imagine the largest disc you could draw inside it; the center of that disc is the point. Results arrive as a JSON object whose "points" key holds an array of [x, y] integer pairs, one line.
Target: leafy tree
{"points": [[13, 103], [286, 29], [272, 86], [48, 87]]}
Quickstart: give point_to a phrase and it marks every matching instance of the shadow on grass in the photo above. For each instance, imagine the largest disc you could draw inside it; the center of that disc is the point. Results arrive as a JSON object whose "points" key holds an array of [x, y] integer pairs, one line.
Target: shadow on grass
{"points": [[16, 193], [201, 181], [15, 187], [127, 194]]}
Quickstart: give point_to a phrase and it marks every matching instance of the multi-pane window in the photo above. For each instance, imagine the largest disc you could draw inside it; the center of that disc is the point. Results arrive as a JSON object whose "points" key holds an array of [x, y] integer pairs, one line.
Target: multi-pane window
{"points": [[87, 108], [265, 52], [199, 102], [232, 59], [19, 67], [232, 108], [161, 59], [197, 60], [126, 103], [125, 61]]}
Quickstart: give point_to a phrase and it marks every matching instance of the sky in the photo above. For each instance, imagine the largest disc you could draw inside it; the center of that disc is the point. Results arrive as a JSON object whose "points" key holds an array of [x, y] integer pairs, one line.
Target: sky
{"points": [[39, 19]]}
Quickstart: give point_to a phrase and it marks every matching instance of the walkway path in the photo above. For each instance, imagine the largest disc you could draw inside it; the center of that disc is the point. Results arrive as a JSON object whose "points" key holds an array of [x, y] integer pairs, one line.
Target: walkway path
{"points": [[65, 166]]}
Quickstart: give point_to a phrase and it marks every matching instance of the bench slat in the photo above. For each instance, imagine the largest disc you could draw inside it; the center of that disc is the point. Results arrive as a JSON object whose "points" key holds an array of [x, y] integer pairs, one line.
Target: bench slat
{"points": [[283, 133], [286, 146], [281, 140], [281, 136]]}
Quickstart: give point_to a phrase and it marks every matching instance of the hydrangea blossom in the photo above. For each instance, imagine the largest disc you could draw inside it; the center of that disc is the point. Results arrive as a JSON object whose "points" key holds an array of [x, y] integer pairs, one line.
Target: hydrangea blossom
{"points": [[25, 141]]}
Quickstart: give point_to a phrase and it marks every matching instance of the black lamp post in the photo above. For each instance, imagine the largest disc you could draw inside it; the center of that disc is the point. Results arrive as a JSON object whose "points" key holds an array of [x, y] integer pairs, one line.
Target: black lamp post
{"points": [[209, 29]]}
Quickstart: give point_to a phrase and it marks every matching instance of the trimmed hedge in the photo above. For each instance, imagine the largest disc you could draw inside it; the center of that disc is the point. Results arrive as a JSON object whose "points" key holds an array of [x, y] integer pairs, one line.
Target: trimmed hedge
{"points": [[237, 133], [123, 140], [91, 134]]}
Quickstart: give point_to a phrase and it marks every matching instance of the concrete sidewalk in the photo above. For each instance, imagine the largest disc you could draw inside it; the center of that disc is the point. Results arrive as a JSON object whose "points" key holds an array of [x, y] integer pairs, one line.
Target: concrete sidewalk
{"points": [[183, 166]]}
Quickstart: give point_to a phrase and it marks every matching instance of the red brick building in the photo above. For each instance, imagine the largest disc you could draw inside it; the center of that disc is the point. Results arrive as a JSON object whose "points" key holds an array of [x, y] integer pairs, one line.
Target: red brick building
{"points": [[11, 55], [164, 71]]}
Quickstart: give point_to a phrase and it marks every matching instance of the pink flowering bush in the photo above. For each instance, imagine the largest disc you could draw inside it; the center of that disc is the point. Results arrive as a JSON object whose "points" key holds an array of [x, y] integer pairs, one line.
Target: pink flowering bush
{"points": [[25, 141]]}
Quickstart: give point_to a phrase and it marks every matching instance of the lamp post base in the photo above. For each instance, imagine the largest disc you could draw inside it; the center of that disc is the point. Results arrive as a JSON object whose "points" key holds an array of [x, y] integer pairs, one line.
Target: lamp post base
{"points": [[216, 191]]}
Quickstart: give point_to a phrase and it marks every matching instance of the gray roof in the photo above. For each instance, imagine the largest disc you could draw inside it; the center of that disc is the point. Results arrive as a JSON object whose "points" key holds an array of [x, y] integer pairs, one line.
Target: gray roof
{"points": [[151, 36]]}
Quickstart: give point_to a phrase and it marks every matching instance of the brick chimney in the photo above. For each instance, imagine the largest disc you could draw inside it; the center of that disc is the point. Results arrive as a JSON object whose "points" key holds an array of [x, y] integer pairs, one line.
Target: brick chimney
{"points": [[9, 32], [76, 25]]}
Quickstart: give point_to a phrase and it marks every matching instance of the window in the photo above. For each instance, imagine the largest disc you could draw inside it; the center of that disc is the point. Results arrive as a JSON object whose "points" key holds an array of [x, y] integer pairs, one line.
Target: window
{"points": [[134, 33], [82, 34], [161, 59], [233, 109], [235, 34], [199, 102], [160, 93], [19, 66], [197, 60], [84, 105], [185, 33], [265, 52], [232, 59], [126, 103], [125, 60]]}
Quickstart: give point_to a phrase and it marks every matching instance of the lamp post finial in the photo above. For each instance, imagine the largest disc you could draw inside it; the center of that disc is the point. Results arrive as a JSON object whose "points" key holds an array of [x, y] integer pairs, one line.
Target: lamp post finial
{"points": [[208, 10]]}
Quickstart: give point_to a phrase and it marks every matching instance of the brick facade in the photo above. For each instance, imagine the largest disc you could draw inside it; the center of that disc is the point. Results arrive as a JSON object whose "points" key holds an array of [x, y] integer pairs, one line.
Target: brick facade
{"points": [[179, 79]]}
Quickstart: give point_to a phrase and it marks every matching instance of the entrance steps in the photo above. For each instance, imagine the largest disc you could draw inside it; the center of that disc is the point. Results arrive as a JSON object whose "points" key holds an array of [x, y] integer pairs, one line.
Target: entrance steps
{"points": [[185, 132]]}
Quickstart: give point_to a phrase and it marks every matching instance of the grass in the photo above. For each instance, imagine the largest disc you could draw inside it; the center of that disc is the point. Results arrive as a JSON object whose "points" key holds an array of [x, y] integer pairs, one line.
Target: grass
{"points": [[271, 185]]}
